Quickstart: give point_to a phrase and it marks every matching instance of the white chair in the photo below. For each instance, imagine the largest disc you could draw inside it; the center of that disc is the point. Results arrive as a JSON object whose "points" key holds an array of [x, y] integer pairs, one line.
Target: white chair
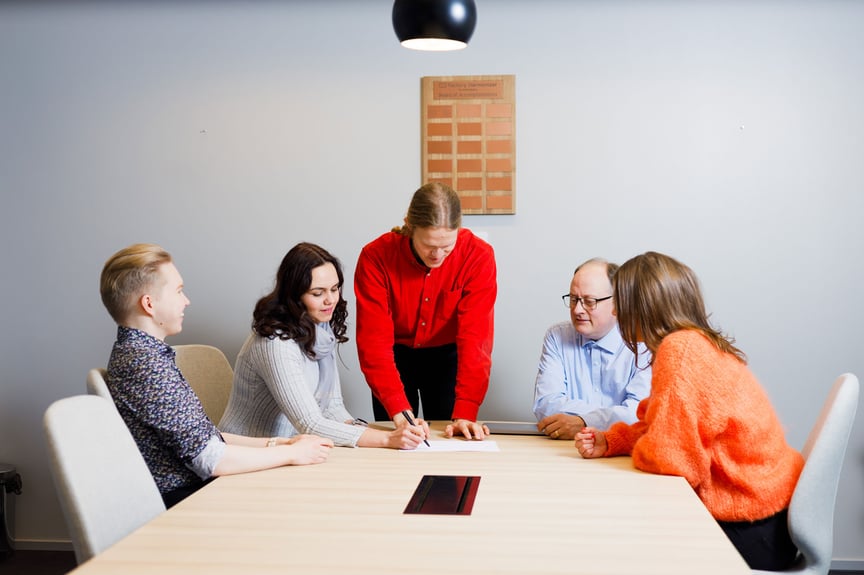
{"points": [[96, 384], [105, 489], [811, 511], [209, 374]]}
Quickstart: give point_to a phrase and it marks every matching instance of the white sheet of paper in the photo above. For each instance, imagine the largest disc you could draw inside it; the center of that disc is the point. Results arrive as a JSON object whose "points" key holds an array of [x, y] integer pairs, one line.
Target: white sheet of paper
{"points": [[455, 445]]}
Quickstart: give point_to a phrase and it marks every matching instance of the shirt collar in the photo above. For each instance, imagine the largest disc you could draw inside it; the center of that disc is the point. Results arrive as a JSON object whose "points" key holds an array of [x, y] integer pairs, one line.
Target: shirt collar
{"points": [[137, 336], [610, 342]]}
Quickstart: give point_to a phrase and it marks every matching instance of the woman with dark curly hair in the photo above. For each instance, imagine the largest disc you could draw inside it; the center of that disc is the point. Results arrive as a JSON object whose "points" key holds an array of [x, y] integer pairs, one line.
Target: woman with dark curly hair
{"points": [[285, 379]]}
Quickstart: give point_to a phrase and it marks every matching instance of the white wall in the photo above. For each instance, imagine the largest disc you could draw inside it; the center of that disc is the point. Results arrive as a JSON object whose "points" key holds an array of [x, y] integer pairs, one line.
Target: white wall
{"points": [[728, 134]]}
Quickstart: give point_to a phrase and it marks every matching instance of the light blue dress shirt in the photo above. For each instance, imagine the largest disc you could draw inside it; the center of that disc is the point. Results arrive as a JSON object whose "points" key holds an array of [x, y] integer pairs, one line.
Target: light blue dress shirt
{"points": [[596, 380]]}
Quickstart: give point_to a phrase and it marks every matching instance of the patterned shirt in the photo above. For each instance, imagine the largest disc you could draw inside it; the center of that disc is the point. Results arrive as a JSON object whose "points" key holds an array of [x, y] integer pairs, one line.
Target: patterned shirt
{"points": [[161, 410]]}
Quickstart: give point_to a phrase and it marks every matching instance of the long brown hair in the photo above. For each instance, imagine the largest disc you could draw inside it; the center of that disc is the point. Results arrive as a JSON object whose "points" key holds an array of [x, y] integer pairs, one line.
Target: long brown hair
{"points": [[434, 205], [281, 313], [656, 295]]}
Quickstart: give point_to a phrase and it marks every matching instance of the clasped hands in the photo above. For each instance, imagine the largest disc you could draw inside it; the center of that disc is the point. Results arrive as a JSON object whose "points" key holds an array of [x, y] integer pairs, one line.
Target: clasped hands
{"points": [[561, 426], [590, 441]]}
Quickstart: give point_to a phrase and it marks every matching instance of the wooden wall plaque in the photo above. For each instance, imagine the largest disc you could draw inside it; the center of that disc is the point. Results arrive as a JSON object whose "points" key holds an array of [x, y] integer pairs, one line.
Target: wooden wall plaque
{"points": [[468, 139]]}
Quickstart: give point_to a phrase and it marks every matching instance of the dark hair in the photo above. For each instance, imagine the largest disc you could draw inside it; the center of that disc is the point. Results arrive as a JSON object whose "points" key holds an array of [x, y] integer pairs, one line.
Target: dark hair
{"points": [[281, 313], [656, 295]]}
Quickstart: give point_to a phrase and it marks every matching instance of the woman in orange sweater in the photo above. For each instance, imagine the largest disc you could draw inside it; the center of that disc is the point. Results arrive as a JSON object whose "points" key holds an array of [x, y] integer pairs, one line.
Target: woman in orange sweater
{"points": [[707, 419]]}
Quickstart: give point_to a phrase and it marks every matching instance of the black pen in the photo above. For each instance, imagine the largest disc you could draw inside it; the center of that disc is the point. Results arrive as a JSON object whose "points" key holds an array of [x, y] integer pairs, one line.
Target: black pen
{"points": [[407, 415]]}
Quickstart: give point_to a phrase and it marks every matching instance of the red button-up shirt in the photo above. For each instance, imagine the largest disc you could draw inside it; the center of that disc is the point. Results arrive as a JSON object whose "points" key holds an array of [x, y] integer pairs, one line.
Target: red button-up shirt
{"points": [[400, 300]]}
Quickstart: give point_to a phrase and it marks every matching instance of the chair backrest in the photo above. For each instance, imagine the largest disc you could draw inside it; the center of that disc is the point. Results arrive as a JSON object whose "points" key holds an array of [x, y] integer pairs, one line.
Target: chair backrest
{"points": [[105, 489], [96, 384], [811, 511], [208, 372]]}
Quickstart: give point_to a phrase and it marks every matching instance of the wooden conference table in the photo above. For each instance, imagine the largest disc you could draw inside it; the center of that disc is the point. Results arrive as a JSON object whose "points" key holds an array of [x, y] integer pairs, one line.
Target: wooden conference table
{"points": [[539, 508]]}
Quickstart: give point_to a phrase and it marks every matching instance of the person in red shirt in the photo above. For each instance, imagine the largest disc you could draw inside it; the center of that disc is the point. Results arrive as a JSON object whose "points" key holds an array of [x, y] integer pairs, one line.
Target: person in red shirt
{"points": [[425, 299]]}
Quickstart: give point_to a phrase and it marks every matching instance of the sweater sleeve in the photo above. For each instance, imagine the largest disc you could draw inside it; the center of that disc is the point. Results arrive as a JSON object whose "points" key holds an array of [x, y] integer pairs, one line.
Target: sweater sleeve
{"points": [[675, 439], [375, 333], [475, 312], [281, 366], [336, 410], [672, 444], [621, 437], [710, 422], [666, 439]]}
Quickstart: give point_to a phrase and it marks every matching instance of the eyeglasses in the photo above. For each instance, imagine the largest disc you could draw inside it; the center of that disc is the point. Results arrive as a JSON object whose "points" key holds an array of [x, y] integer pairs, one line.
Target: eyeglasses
{"points": [[589, 303]]}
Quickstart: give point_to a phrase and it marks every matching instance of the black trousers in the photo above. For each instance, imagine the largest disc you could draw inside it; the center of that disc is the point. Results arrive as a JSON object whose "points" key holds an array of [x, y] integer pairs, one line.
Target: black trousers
{"points": [[764, 544], [429, 378], [172, 498]]}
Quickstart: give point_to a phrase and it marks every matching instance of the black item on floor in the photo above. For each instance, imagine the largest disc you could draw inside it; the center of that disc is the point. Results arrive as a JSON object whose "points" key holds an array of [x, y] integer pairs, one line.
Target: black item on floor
{"points": [[10, 485]]}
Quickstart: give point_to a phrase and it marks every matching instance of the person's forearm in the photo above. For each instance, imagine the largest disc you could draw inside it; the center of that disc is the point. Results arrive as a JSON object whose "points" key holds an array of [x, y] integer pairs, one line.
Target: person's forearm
{"points": [[243, 458], [373, 438], [242, 440]]}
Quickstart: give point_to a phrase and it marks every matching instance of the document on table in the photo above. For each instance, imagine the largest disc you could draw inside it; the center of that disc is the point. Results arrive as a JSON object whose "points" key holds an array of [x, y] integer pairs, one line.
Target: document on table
{"points": [[443, 445]]}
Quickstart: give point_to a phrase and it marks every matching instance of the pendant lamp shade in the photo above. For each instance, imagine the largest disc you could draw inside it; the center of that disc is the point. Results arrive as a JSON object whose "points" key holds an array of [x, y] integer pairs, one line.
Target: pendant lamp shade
{"points": [[434, 24]]}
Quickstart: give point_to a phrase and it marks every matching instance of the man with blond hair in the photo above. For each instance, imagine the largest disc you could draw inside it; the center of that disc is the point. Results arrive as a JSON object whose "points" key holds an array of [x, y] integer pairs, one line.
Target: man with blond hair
{"points": [[143, 291]]}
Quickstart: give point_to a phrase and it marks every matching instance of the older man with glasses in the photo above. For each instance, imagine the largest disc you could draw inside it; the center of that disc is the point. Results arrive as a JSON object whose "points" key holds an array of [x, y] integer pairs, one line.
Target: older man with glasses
{"points": [[587, 375]]}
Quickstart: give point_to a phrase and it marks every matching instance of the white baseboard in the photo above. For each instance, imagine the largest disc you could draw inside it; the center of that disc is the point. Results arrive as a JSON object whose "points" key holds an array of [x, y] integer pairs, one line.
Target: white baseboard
{"points": [[42, 545], [847, 565]]}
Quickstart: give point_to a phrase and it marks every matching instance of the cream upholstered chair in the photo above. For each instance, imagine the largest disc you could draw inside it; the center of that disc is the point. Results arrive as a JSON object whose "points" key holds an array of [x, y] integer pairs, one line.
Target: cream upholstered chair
{"points": [[811, 511], [96, 384], [105, 489], [208, 372]]}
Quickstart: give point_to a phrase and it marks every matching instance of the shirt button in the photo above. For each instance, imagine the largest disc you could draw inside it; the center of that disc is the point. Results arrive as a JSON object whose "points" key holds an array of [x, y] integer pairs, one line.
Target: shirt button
{"points": [[423, 323], [425, 299]]}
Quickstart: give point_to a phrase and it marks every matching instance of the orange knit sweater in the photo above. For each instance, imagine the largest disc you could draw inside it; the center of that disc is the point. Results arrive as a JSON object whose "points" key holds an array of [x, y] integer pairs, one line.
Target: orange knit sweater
{"points": [[708, 420]]}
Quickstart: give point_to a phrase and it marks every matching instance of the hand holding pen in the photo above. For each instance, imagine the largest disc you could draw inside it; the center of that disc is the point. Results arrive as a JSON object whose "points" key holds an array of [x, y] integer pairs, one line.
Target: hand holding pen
{"points": [[407, 415]]}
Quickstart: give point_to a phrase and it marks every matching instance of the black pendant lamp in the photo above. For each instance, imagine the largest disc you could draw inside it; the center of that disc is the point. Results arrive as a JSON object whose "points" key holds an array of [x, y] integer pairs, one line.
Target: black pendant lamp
{"points": [[434, 24]]}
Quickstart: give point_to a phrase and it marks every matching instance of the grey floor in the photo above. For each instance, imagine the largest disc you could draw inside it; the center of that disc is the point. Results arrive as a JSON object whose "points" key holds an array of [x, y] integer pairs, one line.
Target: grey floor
{"points": [[37, 563], [61, 562]]}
